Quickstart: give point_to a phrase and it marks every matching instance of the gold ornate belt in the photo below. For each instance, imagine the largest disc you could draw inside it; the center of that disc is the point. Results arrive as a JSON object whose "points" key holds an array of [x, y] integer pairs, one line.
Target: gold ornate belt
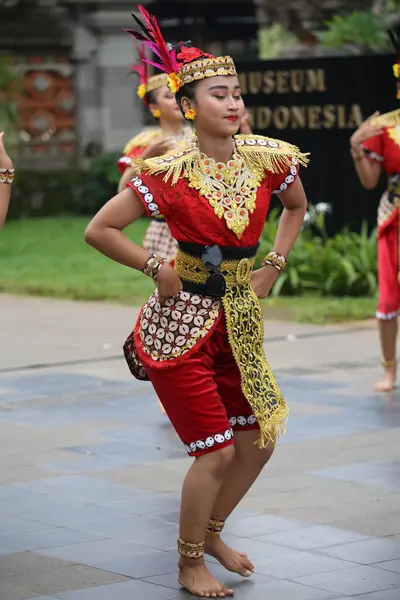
{"points": [[193, 270], [245, 327]]}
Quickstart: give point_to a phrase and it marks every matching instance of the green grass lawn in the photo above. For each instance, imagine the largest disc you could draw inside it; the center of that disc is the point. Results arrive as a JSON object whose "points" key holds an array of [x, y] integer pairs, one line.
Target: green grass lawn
{"points": [[48, 257]]}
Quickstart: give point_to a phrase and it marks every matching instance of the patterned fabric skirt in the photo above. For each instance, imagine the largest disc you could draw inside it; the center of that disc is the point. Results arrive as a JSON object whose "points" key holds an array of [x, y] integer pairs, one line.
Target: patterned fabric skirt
{"points": [[158, 240]]}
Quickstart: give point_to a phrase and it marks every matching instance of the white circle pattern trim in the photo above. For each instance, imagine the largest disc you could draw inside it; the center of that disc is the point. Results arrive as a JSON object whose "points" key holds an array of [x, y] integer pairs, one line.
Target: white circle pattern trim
{"points": [[212, 440], [147, 196], [243, 421], [289, 179]]}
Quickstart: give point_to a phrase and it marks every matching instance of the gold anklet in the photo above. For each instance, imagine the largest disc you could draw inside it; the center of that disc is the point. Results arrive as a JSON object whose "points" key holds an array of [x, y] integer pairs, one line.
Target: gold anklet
{"points": [[388, 364], [215, 527], [189, 550]]}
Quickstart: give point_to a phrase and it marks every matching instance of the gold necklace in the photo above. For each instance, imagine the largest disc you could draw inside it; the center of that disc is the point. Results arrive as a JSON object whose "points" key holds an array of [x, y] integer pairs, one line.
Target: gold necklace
{"points": [[231, 189]]}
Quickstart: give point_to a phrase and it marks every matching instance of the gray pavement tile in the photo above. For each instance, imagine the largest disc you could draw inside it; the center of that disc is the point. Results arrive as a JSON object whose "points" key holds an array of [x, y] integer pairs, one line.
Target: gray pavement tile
{"points": [[43, 598], [46, 538], [78, 487], [119, 557], [47, 575], [102, 554], [128, 452], [7, 550], [129, 590], [150, 436], [258, 525], [231, 580], [384, 595], [297, 564], [149, 503], [12, 524], [85, 464], [366, 552], [309, 538], [357, 472], [131, 527], [357, 580], [255, 549], [283, 590], [390, 565], [15, 591], [172, 516], [73, 514]]}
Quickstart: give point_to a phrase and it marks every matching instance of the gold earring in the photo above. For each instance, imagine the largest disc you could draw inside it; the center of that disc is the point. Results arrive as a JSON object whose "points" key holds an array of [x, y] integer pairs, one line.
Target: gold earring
{"points": [[190, 114], [156, 113]]}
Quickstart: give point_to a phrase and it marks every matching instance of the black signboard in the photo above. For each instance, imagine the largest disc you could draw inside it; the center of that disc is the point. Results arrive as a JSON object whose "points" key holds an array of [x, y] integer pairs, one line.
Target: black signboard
{"points": [[317, 104]]}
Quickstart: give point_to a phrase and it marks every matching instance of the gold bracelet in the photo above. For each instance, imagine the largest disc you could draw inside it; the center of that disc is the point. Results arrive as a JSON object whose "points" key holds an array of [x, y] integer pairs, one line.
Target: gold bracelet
{"points": [[153, 265], [7, 175], [358, 154], [276, 260]]}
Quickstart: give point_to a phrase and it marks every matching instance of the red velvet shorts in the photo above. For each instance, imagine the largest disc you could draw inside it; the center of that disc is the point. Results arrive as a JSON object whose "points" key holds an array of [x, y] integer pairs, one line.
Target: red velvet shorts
{"points": [[202, 395]]}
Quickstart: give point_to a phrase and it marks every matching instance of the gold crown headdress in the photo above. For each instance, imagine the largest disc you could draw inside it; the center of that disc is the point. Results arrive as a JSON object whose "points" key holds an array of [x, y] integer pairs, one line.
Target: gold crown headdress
{"points": [[190, 64]]}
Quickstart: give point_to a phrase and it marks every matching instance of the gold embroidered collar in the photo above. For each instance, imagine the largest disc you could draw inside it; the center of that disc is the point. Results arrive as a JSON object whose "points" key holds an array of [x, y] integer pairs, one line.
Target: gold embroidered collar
{"points": [[231, 188]]}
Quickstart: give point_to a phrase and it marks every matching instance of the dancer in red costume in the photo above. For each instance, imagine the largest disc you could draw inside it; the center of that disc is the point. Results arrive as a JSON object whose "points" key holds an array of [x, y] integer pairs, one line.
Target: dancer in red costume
{"points": [[6, 179], [375, 147], [152, 142], [199, 338]]}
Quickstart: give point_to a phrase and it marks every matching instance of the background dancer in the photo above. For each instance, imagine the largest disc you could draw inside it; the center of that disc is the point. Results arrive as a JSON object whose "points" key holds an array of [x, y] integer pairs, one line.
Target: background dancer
{"points": [[375, 148]]}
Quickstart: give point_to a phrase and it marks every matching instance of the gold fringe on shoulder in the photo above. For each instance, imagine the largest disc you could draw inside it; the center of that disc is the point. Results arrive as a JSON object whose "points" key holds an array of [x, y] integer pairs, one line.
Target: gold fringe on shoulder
{"points": [[260, 153], [174, 164], [143, 139], [390, 119], [266, 154]]}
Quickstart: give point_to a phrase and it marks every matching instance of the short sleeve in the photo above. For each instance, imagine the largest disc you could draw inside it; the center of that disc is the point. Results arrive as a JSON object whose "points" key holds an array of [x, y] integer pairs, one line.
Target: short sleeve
{"points": [[282, 181], [374, 148], [125, 161], [154, 194]]}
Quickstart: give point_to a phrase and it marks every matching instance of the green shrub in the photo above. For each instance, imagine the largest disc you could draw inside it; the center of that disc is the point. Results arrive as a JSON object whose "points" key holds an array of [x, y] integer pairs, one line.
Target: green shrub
{"points": [[344, 265]]}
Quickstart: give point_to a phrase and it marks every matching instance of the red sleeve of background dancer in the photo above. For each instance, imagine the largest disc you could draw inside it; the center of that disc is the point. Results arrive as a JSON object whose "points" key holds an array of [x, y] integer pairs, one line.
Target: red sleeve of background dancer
{"points": [[124, 162], [374, 148], [281, 181], [155, 194]]}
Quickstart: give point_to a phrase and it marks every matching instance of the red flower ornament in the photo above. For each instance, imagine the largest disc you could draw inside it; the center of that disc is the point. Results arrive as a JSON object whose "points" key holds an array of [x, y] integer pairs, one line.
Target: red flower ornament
{"points": [[187, 55]]}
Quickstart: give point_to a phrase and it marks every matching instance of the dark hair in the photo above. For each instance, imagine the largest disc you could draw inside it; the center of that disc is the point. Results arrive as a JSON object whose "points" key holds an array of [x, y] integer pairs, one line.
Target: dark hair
{"points": [[150, 97]]}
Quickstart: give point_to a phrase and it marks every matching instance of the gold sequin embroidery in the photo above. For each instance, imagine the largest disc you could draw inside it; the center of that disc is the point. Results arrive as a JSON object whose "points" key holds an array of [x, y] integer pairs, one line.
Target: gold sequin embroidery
{"points": [[231, 189]]}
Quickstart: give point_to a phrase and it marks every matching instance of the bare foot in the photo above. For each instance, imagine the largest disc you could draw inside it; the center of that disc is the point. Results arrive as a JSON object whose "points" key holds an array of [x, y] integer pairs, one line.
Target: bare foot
{"points": [[232, 560], [161, 408], [388, 381], [197, 580]]}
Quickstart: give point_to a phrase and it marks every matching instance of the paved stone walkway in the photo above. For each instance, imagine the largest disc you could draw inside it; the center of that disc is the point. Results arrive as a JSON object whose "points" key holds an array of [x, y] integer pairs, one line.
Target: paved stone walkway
{"points": [[90, 471]]}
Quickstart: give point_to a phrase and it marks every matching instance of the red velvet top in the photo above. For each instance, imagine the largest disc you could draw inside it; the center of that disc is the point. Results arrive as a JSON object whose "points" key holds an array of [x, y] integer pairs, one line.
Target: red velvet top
{"points": [[385, 149], [190, 216]]}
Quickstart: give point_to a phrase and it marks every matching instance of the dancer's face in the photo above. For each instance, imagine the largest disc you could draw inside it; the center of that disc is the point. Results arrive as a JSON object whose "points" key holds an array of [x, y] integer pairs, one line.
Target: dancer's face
{"points": [[218, 104], [165, 101]]}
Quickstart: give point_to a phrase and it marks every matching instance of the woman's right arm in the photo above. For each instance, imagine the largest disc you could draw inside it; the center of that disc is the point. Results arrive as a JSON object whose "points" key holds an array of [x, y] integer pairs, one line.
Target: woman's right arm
{"points": [[104, 233], [368, 170]]}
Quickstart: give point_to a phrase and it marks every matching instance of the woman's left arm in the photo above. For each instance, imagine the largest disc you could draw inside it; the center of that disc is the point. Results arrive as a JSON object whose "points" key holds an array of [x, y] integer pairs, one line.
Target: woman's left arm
{"points": [[6, 177], [294, 208]]}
